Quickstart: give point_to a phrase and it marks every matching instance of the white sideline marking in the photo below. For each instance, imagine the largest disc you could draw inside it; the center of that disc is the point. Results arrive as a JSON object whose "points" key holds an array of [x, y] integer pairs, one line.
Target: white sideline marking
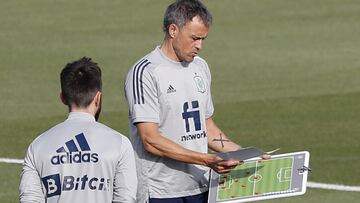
{"points": [[333, 187], [309, 184], [11, 161]]}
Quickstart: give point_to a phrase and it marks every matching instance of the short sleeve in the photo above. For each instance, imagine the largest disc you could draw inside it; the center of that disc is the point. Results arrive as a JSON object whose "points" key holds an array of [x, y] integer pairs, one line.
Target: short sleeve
{"points": [[141, 93]]}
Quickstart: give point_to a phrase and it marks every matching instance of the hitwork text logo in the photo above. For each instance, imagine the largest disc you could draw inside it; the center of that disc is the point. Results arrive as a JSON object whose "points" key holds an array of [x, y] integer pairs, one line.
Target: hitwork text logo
{"points": [[194, 115], [74, 155]]}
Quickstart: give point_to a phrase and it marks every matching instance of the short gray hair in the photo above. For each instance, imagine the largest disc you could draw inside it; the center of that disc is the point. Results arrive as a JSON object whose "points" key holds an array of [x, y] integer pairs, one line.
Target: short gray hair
{"points": [[182, 11]]}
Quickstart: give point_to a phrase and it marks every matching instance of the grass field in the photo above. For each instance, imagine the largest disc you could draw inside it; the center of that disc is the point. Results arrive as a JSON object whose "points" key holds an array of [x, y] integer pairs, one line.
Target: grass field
{"points": [[285, 74]]}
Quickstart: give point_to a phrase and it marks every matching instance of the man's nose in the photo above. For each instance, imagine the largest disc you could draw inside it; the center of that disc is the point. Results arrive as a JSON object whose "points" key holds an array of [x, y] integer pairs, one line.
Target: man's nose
{"points": [[198, 44]]}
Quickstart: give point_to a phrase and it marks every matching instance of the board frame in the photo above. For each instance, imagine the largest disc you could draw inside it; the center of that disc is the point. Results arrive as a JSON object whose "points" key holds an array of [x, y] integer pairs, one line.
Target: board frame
{"points": [[299, 173]]}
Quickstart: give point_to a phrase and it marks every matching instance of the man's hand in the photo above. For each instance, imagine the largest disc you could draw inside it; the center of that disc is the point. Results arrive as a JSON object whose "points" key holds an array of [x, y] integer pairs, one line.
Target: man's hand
{"points": [[220, 165]]}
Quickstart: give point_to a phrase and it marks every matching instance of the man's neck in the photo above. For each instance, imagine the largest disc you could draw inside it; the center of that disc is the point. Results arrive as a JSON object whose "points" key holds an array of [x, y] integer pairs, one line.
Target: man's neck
{"points": [[83, 110], [168, 50]]}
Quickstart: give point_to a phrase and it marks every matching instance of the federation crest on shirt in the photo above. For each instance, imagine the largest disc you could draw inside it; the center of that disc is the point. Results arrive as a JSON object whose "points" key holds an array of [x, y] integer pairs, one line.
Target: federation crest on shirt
{"points": [[200, 84]]}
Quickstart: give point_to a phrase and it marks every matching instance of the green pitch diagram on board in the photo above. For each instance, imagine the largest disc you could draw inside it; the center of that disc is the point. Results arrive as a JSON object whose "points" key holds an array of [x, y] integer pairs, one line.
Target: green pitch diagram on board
{"points": [[255, 179]]}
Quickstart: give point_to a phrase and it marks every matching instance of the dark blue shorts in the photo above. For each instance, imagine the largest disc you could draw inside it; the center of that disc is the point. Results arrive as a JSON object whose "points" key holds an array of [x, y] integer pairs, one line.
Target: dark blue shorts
{"points": [[200, 198]]}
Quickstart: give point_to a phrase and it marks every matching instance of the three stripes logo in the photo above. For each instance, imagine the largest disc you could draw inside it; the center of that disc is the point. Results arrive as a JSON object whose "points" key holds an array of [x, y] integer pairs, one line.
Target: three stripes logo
{"points": [[138, 87], [74, 155], [171, 89]]}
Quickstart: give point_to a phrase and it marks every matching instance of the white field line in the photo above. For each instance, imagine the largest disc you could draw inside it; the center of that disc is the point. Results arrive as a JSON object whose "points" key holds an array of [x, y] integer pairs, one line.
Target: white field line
{"points": [[256, 165], [309, 184], [333, 187], [11, 161]]}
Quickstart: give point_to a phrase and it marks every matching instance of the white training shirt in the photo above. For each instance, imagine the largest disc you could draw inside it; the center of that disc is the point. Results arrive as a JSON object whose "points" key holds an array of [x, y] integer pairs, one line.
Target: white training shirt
{"points": [[177, 97], [79, 160]]}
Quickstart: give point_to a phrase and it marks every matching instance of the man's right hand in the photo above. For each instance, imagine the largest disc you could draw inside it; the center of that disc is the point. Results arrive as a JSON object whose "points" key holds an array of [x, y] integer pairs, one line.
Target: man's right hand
{"points": [[220, 165]]}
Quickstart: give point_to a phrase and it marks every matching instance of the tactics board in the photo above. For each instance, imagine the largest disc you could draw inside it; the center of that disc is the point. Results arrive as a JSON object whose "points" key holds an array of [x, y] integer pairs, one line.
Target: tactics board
{"points": [[281, 176]]}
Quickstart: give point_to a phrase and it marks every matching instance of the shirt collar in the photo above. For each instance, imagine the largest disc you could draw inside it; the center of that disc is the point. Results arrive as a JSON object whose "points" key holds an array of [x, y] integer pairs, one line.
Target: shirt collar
{"points": [[163, 55], [81, 115]]}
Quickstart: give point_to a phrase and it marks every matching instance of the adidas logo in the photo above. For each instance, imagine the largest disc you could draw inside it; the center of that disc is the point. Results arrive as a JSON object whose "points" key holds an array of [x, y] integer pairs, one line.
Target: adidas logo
{"points": [[170, 89], [73, 155]]}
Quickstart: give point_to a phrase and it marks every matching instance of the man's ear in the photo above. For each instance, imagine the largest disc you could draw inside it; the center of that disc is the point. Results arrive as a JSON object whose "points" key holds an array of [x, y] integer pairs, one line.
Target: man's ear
{"points": [[63, 99], [97, 99], [173, 30]]}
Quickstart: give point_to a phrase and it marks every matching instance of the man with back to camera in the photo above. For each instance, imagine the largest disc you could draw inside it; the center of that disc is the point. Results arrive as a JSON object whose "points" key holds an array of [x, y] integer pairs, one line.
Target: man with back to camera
{"points": [[170, 112], [80, 160]]}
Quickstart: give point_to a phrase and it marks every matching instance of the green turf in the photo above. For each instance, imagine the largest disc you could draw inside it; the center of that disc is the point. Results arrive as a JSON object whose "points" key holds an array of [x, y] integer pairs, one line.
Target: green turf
{"points": [[317, 195], [9, 182], [285, 74], [326, 126]]}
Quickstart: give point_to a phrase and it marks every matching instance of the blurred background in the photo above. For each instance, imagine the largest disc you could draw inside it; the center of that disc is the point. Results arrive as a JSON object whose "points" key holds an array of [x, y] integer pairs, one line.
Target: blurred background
{"points": [[285, 74]]}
